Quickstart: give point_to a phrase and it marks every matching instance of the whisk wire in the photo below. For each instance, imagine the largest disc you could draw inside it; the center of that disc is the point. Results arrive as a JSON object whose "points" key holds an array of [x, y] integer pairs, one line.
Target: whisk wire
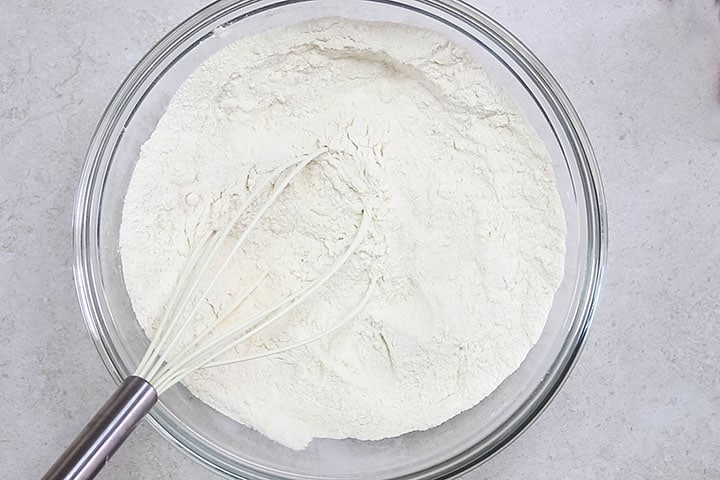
{"points": [[218, 346], [183, 286], [164, 365], [221, 318], [279, 188], [348, 317]]}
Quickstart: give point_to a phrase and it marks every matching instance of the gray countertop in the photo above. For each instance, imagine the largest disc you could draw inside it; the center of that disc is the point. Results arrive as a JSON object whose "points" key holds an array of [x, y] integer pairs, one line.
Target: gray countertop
{"points": [[644, 399]]}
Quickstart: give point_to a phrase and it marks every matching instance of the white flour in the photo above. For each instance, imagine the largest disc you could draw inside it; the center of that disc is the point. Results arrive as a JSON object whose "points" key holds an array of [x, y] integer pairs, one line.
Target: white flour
{"points": [[467, 240]]}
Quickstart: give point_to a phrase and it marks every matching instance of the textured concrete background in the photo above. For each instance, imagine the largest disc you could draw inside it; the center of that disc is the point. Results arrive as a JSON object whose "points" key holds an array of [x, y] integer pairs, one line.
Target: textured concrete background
{"points": [[644, 400]]}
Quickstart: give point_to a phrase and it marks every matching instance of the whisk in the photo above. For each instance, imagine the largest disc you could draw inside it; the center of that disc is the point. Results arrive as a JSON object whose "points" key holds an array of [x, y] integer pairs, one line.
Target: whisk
{"points": [[170, 357]]}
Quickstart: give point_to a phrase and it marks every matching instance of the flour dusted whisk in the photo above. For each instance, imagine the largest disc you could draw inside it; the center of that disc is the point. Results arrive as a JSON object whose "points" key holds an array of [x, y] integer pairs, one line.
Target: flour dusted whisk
{"points": [[176, 350]]}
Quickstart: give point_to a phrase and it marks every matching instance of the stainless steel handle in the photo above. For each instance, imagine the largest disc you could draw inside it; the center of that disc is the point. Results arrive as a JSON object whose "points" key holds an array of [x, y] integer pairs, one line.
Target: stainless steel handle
{"points": [[104, 434]]}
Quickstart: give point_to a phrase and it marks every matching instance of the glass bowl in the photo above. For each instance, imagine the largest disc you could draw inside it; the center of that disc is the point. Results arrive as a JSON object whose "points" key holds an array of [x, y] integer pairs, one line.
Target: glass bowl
{"points": [[229, 448]]}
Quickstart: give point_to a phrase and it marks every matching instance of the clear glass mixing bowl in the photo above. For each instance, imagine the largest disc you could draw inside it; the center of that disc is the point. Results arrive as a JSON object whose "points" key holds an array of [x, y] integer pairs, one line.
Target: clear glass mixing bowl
{"points": [[236, 451]]}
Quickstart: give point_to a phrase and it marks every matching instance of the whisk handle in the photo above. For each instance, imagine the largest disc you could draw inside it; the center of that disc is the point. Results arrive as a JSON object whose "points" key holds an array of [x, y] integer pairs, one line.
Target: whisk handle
{"points": [[107, 430]]}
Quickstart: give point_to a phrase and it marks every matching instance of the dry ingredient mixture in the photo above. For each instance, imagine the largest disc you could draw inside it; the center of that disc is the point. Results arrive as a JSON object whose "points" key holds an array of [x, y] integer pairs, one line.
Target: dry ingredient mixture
{"points": [[467, 239]]}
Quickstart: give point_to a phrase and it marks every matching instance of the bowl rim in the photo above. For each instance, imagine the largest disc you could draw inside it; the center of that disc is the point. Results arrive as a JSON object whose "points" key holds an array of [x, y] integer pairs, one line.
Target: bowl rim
{"points": [[86, 206]]}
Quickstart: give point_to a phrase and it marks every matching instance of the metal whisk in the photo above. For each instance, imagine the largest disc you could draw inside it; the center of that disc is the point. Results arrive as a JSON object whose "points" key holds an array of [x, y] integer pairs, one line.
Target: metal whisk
{"points": [[170, 356]]}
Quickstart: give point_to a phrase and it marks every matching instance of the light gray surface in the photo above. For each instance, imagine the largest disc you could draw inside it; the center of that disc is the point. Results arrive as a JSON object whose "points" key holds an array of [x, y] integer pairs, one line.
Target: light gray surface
{"points": [[644, 400]]}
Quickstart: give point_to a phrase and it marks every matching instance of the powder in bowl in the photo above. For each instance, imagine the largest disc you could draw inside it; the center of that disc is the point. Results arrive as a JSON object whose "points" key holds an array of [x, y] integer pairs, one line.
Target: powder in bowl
{"points": [[467, 239]]}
